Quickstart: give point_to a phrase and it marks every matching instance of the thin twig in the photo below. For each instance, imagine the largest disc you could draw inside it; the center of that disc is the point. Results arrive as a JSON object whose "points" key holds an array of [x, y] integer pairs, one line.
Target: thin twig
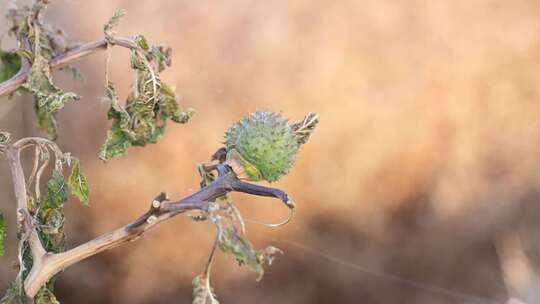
{"points": [[64, 59], [215, 244], [208, 267], [17, 174], [38, 178], [37, 156], [29, 232]]}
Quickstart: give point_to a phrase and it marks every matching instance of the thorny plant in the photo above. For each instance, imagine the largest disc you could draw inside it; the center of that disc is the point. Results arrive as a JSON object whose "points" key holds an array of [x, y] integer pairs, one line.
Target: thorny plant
{"points": [[262, 146]]}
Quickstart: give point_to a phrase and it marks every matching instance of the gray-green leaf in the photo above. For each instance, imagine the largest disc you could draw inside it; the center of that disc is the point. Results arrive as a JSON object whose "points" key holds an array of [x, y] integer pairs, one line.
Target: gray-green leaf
{"points": [[49, 98], [10, 63], [78, 184], [57, 191], [113, 22], [144, 117], [119, 137], [233, 243]]}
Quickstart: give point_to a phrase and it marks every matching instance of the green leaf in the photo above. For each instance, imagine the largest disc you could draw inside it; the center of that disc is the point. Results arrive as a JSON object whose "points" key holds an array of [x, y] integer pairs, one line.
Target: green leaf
{"points": [[57, 191], [27, 22], [113, 22], [46, 41], [49, 98], [51, 214], [162, 55], [46, 122], [203, 293], [45, 296], [141, 41], [117, 144], [232, 243], [119, 138], [3, 234], [10, 63], [78, 184], [169, 108], [143, 119]]}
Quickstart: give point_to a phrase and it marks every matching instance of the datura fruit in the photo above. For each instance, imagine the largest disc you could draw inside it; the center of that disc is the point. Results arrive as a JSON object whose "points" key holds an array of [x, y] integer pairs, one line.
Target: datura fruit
{"points": [[264, 144]]}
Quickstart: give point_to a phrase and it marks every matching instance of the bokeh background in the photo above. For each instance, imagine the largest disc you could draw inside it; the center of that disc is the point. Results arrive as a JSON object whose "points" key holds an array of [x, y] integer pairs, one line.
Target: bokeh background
{"points": [[420, 185]]}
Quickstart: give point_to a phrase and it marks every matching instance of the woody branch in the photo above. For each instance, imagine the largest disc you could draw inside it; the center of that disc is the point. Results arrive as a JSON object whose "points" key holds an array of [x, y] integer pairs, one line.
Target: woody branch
{"points": [[47, 264], [64, 59]]}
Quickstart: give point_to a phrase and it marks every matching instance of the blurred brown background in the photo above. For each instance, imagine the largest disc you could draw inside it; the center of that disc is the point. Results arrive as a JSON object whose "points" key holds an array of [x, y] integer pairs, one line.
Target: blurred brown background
{"points": [[420, 184]]}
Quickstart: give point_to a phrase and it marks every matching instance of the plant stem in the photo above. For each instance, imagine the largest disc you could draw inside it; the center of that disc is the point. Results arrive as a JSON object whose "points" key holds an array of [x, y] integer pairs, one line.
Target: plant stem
{"points": [[53, 263], [50, 264], [29, 233], [47, 264], [64, 59]]}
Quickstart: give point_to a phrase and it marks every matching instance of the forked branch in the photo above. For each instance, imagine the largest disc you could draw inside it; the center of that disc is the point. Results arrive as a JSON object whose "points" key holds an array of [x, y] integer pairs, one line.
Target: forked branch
{"points": [[148, 109], [47, 264]]}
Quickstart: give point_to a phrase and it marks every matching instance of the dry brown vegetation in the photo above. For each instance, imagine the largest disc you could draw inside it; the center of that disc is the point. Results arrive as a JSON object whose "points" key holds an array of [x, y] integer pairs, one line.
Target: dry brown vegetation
{"points": [[425, 160]]}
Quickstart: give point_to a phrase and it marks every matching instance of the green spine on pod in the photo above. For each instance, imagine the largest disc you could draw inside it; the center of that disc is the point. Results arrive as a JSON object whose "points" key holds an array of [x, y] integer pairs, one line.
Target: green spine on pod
{"points": [[266, 141]]}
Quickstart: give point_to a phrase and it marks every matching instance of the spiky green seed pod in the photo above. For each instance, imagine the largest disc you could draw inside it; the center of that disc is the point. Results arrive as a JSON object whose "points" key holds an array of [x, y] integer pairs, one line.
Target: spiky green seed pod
{"points": [[266, 142]]}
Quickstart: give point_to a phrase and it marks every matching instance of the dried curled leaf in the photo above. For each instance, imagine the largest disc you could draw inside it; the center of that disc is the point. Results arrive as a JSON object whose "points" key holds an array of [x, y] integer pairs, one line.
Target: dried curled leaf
{"points": [[268, 254], [10, 63], [45, 296], [3, 234], [41, 42], [51, 214], [27, 22], [203, 293], [233, 243], [303, 129], [144, 117], [119, 137], [169, 107], [160, 54], [49, 98], [78, 184], [113, 22], [5, 138], [52, 230]]}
